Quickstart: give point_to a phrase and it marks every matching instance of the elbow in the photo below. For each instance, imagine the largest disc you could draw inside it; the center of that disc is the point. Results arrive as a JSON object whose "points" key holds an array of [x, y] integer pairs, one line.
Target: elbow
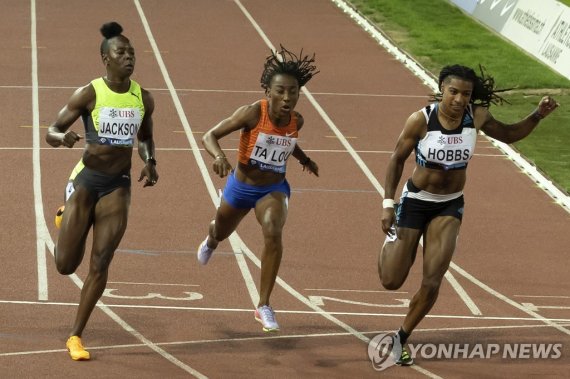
{"points": [[51, 141], [205, 138], [508, 139]]}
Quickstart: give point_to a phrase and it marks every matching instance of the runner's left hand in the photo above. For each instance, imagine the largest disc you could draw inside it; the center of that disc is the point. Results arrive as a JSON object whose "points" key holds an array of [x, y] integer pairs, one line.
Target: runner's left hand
{"points": [[546, 106], [149, 171], [312, 167]]}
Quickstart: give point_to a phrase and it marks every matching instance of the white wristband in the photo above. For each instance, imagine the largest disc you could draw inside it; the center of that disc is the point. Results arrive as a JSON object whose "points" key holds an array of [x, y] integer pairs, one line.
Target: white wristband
{"points": [[388, 203]]}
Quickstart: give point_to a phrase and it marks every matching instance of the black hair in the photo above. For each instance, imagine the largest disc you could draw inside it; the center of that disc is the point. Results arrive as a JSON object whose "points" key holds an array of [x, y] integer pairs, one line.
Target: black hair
{"points": [[300, 67], [109, 30], [484, 91]]}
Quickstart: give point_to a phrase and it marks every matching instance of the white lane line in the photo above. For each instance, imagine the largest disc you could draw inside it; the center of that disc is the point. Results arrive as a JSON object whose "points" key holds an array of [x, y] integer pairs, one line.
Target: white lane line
{"points": [[242, 264], [229, 91], [464, 296], [544, 296], [357, 159], [507, 300], [155, 284], [41, 229], [230, 149], [534, 307], [44, 238], [291, 312], [367, 172], [127, 327], [551, 190], [267, 337], [357, 291], [429, 81]]}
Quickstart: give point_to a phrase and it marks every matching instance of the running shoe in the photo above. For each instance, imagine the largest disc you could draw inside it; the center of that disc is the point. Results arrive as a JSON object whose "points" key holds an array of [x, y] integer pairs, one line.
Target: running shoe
{"points": [[76, 350], [59, 216], [405, 358], [266, 316], [393, 236], [204, 252]]}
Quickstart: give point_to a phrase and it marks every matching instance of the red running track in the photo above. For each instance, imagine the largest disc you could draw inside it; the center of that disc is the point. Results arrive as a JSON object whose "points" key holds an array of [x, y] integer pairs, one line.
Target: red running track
{"points": [[162, 314]]}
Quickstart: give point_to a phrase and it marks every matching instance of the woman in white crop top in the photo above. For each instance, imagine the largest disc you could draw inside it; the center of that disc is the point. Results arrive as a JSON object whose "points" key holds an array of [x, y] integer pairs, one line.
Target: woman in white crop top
{"points": [[432, 199]]}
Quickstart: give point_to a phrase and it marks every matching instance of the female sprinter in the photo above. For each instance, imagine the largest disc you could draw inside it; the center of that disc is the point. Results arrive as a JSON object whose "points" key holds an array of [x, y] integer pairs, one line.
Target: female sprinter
{"points": [[443, 135], [114, 110], [269, 131]]}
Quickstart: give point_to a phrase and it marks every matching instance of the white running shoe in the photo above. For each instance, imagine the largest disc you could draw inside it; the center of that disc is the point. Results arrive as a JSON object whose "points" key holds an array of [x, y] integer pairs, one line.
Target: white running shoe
{"points": [[266, 317], [204, 252], [392, 236]]}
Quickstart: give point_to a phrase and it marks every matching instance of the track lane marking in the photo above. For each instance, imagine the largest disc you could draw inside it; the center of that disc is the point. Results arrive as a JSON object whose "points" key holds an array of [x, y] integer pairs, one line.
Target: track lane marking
{"points": [[43, 238]]}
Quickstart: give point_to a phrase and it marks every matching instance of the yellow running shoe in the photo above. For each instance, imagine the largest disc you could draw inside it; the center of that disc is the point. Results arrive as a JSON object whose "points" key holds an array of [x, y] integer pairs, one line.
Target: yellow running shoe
{"points": [[76, 350], [59, 216]]}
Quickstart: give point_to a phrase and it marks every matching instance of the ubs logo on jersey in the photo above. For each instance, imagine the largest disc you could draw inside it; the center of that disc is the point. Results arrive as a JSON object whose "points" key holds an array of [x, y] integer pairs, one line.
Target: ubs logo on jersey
{"points": [[126, 113], [278, 141], [450, 140], [121, 113]]}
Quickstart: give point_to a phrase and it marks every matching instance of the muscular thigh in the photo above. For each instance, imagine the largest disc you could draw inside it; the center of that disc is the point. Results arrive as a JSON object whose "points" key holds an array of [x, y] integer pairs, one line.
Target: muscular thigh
{"points": [[271, 210], [77, 219], [440, 239], [110, 219], [228, 218]]}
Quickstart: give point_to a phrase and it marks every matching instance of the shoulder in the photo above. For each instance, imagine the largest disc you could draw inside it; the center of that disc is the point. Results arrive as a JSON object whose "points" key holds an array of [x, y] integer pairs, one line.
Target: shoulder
{"points": [[248, 115], [147, 99], [416, 125], [83, 96], [418, 118]]}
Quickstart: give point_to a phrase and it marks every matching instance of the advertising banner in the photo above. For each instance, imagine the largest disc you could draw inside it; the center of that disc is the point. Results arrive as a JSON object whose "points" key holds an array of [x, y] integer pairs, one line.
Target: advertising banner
{"points": [[494, 13], [542, 28], [467, 5]]}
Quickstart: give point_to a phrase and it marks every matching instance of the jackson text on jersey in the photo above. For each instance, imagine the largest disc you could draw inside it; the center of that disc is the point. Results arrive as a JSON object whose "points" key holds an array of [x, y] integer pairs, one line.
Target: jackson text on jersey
{"points": [[116, 117]]}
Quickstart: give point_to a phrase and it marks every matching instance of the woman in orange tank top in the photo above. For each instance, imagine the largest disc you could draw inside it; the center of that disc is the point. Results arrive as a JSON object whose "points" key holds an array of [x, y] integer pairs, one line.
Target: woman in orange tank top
{"points": [[269, 130]]}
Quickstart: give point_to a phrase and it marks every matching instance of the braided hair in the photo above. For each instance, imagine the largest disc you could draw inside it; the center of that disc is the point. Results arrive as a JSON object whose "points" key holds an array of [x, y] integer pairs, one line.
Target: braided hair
{"points": [[484, 92], [285, 62], [109, 30]]}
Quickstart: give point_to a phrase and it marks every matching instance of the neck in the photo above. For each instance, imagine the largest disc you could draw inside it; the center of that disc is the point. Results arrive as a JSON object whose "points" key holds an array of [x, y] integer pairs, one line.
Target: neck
{"points": [[278, 119], [447, 115], [121, 81]]}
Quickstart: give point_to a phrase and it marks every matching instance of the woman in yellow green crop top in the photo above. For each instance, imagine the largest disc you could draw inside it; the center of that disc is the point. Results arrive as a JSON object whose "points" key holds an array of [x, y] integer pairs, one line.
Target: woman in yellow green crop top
{"points": [[115, 110]]}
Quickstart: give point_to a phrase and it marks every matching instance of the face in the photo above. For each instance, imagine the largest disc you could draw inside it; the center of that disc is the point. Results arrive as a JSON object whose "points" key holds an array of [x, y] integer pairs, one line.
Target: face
{"points": [[120, 59], [456, 93], [283, 94]]}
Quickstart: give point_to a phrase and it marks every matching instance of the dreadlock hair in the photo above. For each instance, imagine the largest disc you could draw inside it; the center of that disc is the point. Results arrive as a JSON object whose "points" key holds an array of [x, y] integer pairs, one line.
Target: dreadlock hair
{"points": [[484, 92], [300, 67], [109, 30]]}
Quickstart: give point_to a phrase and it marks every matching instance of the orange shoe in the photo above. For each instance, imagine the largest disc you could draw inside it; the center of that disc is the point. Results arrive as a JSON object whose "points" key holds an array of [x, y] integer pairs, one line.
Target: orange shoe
{"points": [[76, 350], [59, 216]]}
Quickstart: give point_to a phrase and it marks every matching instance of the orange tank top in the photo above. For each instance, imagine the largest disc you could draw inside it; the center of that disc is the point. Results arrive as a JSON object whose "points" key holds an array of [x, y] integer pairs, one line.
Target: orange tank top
{"points": [[267, 146]]}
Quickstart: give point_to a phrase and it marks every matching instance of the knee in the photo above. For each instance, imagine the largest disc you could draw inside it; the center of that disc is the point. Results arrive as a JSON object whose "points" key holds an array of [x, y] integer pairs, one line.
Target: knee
{"points": [[388, 279], [64, 267], [272, 232], [390, 283]]}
